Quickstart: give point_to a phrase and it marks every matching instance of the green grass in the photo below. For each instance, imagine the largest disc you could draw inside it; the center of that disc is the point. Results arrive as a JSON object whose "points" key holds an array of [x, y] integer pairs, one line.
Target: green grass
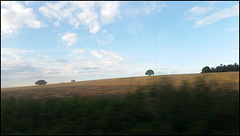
{"points": [[163, 109]]}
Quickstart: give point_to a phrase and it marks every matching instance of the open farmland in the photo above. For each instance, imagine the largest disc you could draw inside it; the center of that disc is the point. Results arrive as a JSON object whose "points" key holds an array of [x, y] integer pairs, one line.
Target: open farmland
{"points": [[156, 107], [118, 86]]}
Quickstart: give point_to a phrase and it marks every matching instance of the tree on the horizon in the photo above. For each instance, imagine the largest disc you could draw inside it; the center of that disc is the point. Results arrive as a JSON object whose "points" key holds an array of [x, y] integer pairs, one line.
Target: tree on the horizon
{"points": [[206, 69], [149, 72], [41, 82]]}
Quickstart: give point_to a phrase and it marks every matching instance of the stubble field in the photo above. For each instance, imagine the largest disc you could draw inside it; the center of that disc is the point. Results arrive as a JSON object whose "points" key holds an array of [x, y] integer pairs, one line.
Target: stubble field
{"points": [[119, 86]]}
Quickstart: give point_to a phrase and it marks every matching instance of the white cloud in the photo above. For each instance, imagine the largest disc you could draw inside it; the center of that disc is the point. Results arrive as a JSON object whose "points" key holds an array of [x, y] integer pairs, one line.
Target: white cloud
{"points": [[14, 15], [28, 68], [109, 40], [212, 2], [153, 6], [107, 58], [106, 38], [28, 2], [53, 10], [101, 42], [146, 8], [78, 50], [14, 53], [46, 56], [76, 53], [97, 58], [94, 64], [84, 5], [75, 12], [11, 52], [90, 19], [83, 13], [199, 10], [232, 28], [196, 12], [85, 16], [23, 67], [56, 24], [70, 38], [14, 65], [104, 31], [109, 10], [224, 13], [96, 54]]}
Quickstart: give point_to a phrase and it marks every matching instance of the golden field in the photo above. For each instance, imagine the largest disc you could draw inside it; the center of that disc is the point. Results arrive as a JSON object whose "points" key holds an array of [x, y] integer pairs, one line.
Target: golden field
{"points": [[118, 86]]}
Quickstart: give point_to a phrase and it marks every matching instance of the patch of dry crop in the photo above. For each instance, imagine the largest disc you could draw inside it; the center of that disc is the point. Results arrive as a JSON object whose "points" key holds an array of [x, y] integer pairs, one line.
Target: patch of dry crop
{"points": [[119, 86]]}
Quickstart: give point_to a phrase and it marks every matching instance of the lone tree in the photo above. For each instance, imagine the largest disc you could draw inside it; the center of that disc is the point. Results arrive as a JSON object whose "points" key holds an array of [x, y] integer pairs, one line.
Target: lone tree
{"points": [[206, 69], [41, 82], [149, 72]]}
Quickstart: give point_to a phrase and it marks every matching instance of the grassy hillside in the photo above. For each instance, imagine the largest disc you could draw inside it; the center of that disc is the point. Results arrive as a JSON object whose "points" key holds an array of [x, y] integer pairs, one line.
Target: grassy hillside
{"points": [[118, 86], [188, 109]]}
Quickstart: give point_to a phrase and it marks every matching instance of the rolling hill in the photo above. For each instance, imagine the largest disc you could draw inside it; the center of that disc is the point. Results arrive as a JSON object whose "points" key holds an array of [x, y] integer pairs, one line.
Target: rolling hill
{"points": [[118, 86]]}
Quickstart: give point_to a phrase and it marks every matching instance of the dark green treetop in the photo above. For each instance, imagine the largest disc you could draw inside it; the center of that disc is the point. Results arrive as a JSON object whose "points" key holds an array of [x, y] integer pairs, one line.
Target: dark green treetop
{"points": [[149, 72], [41, 82]]}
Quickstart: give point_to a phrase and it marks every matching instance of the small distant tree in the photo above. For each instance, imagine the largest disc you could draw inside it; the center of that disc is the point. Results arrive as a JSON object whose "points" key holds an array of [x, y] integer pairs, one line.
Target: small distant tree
{"points": [[41, 82], [149, 72], [206, 69], [73, 81]]}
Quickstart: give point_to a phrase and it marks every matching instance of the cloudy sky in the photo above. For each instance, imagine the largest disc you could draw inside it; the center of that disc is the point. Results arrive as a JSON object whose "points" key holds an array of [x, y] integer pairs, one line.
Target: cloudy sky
{"points": [[62, 41]]}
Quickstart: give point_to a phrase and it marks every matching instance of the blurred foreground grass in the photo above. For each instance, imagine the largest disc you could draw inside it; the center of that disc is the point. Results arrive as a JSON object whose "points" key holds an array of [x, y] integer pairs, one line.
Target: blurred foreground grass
{"points": [[155, 109]]}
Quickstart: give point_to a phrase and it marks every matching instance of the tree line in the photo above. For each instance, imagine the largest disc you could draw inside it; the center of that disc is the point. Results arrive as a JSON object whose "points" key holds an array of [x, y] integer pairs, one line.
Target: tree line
{"points": [[221, 68]]}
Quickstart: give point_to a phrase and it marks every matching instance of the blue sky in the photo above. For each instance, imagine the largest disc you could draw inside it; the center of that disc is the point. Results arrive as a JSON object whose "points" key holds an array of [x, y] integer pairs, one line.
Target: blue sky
{"points": [[62, 41]]}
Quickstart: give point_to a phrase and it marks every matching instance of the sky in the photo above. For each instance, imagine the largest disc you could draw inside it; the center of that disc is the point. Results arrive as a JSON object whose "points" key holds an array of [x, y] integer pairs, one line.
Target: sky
{"points": [[60, 41]]}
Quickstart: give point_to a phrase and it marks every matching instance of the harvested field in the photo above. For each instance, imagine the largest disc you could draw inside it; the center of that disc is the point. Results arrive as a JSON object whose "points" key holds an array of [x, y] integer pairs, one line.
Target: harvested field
{"points": [[118, 86]]}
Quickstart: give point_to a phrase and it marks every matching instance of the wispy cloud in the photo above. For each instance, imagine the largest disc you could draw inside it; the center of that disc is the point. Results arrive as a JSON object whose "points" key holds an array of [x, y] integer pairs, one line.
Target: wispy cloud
{"points": [[14, 53], [232, 29], [14, 15], [28, 2], [54, 10], [109, 10], [24, 67], [147, 8], [97, 58], [70, 38], [56, 23], [107, 58], [196, 12], [212, 2], [106, 38], [89, 18], [153, 6], [83, 13], [69, 11], [109, 40], [224, 13], [78, 50], [199, 10], [94, 64]]}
